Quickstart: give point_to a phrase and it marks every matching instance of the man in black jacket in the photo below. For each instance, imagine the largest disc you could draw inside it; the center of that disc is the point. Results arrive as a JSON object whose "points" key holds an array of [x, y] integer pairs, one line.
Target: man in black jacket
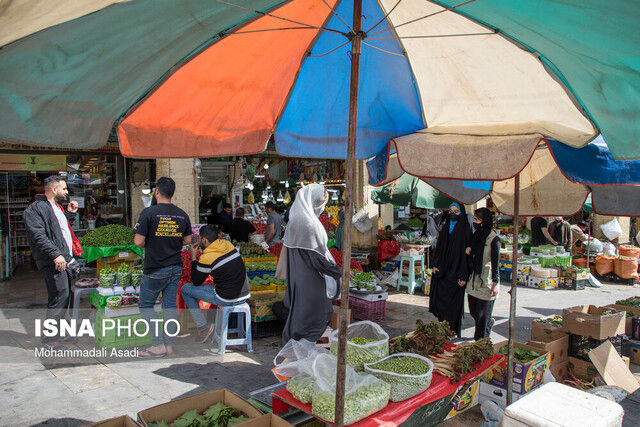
{"points": [[53, 244]]}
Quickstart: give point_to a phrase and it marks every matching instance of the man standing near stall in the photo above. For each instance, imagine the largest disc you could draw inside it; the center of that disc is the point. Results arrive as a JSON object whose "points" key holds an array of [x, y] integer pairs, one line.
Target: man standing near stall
{"points": [[162, 230], [53, 246], [273, 234]]}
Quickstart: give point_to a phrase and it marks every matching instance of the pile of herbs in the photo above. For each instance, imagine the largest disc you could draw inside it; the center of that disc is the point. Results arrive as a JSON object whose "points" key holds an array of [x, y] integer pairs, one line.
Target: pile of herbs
{"points": [[427, 339], [630, 302], [458, 362], [520, 355], [109, 235], [218, 415], [555, 321]]}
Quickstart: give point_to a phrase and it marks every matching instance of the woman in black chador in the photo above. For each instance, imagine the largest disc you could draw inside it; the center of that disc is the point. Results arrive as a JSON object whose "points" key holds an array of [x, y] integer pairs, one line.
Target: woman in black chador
{"points": [[450, 271]]}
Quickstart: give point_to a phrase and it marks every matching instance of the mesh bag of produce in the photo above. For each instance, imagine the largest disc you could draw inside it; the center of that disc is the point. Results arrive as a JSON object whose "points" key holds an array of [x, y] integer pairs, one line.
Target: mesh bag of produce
{"points": [[367, 342], [408, 374], [107, 278], [364, 394], [124, 275], [605, 264], [295, 361]]}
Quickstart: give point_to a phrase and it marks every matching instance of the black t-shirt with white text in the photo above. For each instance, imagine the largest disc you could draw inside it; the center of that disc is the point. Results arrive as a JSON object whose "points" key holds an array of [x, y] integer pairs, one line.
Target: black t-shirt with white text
{"points": [[164, 226]]}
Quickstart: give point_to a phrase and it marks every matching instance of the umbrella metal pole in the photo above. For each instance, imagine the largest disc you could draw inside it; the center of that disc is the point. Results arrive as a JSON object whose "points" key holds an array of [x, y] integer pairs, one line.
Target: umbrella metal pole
{"points": [[356, 42], [514, 284]]}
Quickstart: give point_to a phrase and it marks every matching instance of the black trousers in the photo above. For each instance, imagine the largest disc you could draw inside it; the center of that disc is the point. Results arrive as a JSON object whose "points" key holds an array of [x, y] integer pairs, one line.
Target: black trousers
{"points": [[481, 311], [58, 285]]}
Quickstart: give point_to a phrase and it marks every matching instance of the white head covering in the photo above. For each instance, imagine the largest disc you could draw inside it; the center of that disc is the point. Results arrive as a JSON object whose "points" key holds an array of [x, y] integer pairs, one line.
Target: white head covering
{"points": [[304, 229]]}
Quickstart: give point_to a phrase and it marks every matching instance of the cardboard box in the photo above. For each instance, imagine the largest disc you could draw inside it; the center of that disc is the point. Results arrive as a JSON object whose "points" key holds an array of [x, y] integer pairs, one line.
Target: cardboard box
{"points": [[268, 420], [540, 331], [557, 347], [635, 352], [541, 283], [526, 376], [581, 368], [560, 370], [612, 368], [170, 411], [589, 321], [335, 317], [465, 401], [122, 421], [495, 394]]}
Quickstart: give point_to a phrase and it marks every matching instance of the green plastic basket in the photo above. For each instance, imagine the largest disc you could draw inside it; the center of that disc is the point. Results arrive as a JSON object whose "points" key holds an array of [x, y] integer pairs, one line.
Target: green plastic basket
{"points": [[563, 261], [120, 339]]}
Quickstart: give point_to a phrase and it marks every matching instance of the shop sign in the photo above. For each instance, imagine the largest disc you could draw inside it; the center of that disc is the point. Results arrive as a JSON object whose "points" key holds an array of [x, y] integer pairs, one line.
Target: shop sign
{"points": [[33, 162]]}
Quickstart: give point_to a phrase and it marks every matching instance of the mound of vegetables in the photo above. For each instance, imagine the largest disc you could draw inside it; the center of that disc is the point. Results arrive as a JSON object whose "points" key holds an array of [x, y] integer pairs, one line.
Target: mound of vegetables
{"points": [[555, 321], [109, 235], [458, 362], [364, 281], [630, 302], [427, 339], [261, 266], [266, 279], [248, 249], [520, 355], [218, 415]]}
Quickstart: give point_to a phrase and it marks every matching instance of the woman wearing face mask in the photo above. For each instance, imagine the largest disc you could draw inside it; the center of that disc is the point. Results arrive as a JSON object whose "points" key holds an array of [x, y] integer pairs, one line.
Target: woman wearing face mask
{"points": [[450, 274], [311, 273], [482, 288]]}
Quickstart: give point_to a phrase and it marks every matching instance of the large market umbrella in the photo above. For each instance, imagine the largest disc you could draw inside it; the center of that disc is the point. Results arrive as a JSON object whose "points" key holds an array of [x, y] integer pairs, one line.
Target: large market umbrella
{"points": [[407, 190], [186, 78]]}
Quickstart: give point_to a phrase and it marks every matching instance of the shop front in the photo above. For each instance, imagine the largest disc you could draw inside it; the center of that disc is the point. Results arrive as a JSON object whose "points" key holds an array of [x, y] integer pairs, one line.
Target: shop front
{"points": [[98, 181]]}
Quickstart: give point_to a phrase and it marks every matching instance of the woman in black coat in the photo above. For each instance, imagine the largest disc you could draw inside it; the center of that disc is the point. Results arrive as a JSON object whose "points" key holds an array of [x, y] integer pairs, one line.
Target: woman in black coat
{"points": [[450, 269]]}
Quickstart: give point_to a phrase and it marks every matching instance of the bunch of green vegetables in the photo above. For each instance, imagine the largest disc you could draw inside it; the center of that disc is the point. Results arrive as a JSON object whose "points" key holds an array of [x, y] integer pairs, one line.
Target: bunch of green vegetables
{"points": [[136, 276], [218, 415], [414, 223], [107, 278], [364, 401], [366, 281], [266, 279], [124, 275], [520, 355], [407, 375], [630, 302], [428, 338], [250, 249], [363, 350], [261, 266], [555, 321], [458, 362], [301, 387], [109, 235]]}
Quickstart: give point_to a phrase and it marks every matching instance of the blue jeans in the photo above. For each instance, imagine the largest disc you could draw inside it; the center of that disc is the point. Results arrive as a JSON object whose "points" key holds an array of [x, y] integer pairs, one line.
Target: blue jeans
{"points": [[192, 293], [165, 280]]}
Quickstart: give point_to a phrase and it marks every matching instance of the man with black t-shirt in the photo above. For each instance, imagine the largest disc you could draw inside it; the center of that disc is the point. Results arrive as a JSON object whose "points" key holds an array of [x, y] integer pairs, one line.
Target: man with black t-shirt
{"points": [[239, 229], [163, 229]]}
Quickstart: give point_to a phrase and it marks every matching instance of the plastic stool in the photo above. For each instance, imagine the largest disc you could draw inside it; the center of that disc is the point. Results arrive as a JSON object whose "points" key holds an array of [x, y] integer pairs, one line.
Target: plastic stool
{"points": [[222, 327], [410, 280], [77, 293]]}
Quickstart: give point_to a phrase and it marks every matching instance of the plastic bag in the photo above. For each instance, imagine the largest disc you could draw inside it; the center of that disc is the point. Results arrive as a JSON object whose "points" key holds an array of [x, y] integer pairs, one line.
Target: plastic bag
{"points": [[295, 360], [364, 394], [595, 246], [611, 229], [375, 349], [403, 386], [609, 249]]}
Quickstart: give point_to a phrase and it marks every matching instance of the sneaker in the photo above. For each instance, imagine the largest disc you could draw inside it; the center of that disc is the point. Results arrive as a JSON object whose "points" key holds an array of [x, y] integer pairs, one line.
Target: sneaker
{"points": [[204, 333]]}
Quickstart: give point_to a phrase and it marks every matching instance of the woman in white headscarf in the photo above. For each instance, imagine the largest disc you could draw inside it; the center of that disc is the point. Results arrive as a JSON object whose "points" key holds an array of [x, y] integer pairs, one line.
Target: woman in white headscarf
{"points": [[312, 274]]}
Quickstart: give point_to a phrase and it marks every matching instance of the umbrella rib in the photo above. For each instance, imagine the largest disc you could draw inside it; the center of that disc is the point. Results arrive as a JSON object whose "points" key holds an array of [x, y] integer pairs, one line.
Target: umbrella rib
{"points": [[271, 29], [279, 17], [382, 50], [338, 15], [332, 50], [432, 36], [426, 16], [384, 17]]}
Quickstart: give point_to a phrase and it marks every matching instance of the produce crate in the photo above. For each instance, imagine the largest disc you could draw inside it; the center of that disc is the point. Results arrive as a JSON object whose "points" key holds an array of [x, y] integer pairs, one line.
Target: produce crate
{"points": [[269, 258], [262, 306], [580, 346], [573, 284], [271, 328], [263, 289], [114, 262], [115, 338], [564, 261], [368, 310], [259, 273], [97, 300]]}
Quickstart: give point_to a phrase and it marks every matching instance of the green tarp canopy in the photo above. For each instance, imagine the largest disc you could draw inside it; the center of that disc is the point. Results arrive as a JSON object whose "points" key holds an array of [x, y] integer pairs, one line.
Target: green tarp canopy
{"points": [[411, 190]]}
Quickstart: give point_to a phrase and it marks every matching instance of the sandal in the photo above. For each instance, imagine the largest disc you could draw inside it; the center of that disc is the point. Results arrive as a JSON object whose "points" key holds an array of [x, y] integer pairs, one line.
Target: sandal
{"points": [[146, 354]]}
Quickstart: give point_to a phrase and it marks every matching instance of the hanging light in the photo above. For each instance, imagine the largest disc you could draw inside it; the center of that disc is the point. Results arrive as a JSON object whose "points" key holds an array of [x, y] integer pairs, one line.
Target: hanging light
{"points": [[287, 198], [266, 165], [269, 187], [265, 196], [334, 196], [280, 199], [286, 184]]}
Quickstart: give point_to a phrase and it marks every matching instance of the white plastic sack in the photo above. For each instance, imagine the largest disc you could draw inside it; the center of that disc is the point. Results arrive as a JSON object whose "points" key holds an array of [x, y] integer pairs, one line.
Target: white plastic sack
{"points": [[362, 222], [403, 386], [364, 393], [611, 229], [295, 361], [359, 354], [609, 249], [595, 246]]}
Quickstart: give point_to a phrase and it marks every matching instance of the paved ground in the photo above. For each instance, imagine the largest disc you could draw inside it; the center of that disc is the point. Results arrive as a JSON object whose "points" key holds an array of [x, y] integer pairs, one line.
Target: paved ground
{"points": [[36, 391]]}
